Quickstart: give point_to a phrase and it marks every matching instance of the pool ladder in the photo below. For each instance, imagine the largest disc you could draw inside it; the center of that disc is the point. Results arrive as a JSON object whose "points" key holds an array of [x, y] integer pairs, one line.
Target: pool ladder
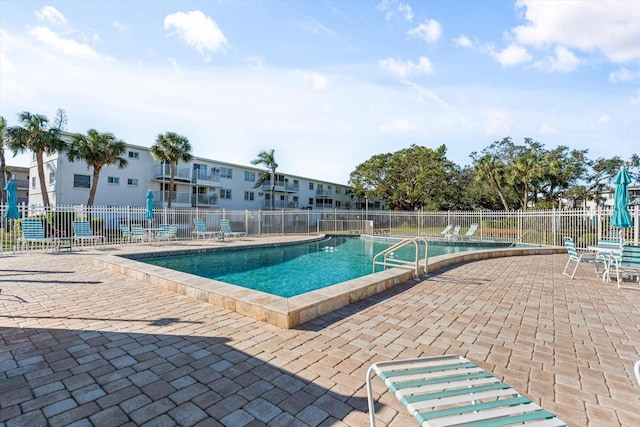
{"points": [[389, 261]]}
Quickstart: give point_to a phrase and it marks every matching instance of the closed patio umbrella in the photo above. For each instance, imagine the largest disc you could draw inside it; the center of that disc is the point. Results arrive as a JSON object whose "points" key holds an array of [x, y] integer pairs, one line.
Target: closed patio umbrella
{"points": [[621, 217], [149, 212], [12, 205]]}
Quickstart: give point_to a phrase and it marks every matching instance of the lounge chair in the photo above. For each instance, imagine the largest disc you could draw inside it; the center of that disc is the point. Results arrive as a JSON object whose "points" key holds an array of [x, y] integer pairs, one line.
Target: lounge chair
{"points": [[628, 264], [455, 234], [471, 231], [201, 230], [442, 234], [636, 370], [225, 228], [82, 232], [167, 232], [451, 390], [33, 235], [126, 233]]}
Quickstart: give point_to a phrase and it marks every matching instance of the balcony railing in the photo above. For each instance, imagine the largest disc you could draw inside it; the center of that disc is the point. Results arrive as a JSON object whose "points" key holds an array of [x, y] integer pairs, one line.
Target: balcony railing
{"points": [[287, 187], [204, 200], [280, 204], [21, 184], [163, 172], [325, 193], [204, 177], [161, 198]]}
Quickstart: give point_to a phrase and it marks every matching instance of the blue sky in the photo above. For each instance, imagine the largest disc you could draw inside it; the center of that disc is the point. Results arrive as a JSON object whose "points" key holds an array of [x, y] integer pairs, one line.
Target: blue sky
{"points": [[328, 84]]}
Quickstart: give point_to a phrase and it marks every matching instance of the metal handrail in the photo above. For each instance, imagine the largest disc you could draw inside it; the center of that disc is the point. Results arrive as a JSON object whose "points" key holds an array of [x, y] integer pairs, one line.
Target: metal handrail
{"points": [[414, 265]]}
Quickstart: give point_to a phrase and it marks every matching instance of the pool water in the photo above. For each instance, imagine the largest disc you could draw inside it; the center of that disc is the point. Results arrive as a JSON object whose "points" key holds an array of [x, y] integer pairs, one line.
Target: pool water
{"points": [[291, 270]]}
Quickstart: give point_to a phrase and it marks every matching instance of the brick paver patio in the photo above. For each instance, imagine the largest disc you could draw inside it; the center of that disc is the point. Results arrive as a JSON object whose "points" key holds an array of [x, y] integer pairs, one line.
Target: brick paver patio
{"points": [[82, 346]]}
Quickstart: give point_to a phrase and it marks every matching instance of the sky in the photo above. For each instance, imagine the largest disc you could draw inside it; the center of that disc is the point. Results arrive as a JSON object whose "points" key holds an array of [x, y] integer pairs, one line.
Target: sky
{"points": [[329, 84]]}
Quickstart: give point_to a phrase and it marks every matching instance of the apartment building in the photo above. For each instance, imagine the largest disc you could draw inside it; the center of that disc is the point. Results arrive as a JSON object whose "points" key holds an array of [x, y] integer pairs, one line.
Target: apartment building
{"points": [[202, 183]]}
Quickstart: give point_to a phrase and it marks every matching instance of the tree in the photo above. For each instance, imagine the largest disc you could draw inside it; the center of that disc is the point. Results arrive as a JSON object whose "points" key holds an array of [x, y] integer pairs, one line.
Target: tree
{"points": [[38, 136], [97, 150], [171, 148], [409, 179], [268, 160], [3, 164]]}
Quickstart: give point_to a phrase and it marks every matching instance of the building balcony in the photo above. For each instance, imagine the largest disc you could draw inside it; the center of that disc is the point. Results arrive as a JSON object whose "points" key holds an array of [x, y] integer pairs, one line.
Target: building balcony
{"points": [[180, 199], [163, 173], [204, 200], [280, 204], [206, 178], [283, 187], [21, 184], [325, 193]]}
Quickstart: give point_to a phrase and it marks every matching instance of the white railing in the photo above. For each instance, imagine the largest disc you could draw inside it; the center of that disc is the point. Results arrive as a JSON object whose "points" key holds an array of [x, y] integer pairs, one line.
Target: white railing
{"points": [[586, 227]]}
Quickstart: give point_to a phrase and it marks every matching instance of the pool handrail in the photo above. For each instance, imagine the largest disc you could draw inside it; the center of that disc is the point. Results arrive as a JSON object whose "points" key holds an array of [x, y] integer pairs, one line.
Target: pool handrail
{"points": [[409, 265]]}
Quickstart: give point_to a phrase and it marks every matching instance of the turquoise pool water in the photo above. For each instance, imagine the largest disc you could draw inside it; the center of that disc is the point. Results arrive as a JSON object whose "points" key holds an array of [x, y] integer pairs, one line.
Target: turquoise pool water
{"points": [[291, 270]]}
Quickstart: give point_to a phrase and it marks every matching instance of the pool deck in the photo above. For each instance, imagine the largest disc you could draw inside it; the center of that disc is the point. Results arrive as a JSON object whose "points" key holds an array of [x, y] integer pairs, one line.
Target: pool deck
{"points": [[81, 345]]}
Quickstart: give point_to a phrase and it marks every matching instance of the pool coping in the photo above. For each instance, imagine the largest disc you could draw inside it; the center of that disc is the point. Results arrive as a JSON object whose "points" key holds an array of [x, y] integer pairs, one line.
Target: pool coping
{"points": [[290, 312]]}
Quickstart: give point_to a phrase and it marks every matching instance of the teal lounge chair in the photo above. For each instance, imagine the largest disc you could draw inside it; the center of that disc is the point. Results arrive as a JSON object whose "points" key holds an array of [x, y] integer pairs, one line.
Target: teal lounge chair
{"points": [[167, 232], [225, 228], [471, 231], [577, 257], [628, 264], [82, 233], [33, 235], [201, 230], [138, 233], [452, 390]]}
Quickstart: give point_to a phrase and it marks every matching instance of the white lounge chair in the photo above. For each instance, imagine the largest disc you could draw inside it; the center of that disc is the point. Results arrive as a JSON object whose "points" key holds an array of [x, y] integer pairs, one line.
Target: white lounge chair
{"points": [[577, 257]]}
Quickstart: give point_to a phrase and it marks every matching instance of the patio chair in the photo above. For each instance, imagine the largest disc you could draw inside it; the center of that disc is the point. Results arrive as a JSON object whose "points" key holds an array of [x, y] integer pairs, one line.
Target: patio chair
{"points": [[138, 233], [455, 234], [628, 264], [126, 233], [225, 228], [471, 231], [201, 230], [167, 232], [577, 257], [636, 370], [451, 390], [82, 232], [33, 235]]}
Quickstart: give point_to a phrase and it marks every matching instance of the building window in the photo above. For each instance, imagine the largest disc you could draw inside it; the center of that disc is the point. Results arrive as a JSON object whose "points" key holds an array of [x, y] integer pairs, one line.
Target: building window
{"points": [[113, 180], [310, 201], [134, 154], [81, 181], [311, 186], [225, 194], [249, 176], [33, 182], [249, 196], [132, 182], [226, 173], [51, 178], [338, 190]]}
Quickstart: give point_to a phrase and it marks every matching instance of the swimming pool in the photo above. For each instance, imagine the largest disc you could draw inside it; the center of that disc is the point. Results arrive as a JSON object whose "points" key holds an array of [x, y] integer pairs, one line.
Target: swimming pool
{"points": [[292, 270]]}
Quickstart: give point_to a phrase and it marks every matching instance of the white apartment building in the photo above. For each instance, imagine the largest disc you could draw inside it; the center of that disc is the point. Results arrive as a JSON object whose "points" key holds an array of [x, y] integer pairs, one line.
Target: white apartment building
{"points": [[202, 183]]}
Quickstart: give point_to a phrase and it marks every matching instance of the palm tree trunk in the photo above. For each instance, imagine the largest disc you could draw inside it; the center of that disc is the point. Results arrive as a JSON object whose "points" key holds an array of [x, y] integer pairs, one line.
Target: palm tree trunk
{"points": [[43, 184], [3, 173], [172, 173], [94, 186], [273, 191]]}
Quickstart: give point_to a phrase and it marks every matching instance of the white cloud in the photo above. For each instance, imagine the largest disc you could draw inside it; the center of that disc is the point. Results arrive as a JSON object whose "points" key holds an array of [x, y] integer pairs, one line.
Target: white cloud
{"points": [[608, 26], [604, 119], [197, 30], [51, 15], [255, 61], [429, 31], [398, 126], [315, 80], [406, 11], [404, 68], [623, 75], [498, 123], [120, 27], [512, 55], [66, 46], [547, 129], [564, 61], [635, 100], [462, 41]]}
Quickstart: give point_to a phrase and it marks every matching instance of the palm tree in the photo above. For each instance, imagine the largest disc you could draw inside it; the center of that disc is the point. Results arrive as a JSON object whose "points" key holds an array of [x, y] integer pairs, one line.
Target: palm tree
{"points": [[3, 164], [38, 136], [269, 161], [98, 150], [171, 148], [489, 168]]}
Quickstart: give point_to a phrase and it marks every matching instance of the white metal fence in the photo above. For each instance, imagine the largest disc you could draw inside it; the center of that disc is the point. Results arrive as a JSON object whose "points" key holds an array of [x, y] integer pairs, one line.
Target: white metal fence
{"points": [[531, 227]]}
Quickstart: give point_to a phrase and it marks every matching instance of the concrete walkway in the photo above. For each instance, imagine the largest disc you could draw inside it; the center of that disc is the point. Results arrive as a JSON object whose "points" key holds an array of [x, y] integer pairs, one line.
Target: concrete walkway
{"points": [[82, 346]]}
